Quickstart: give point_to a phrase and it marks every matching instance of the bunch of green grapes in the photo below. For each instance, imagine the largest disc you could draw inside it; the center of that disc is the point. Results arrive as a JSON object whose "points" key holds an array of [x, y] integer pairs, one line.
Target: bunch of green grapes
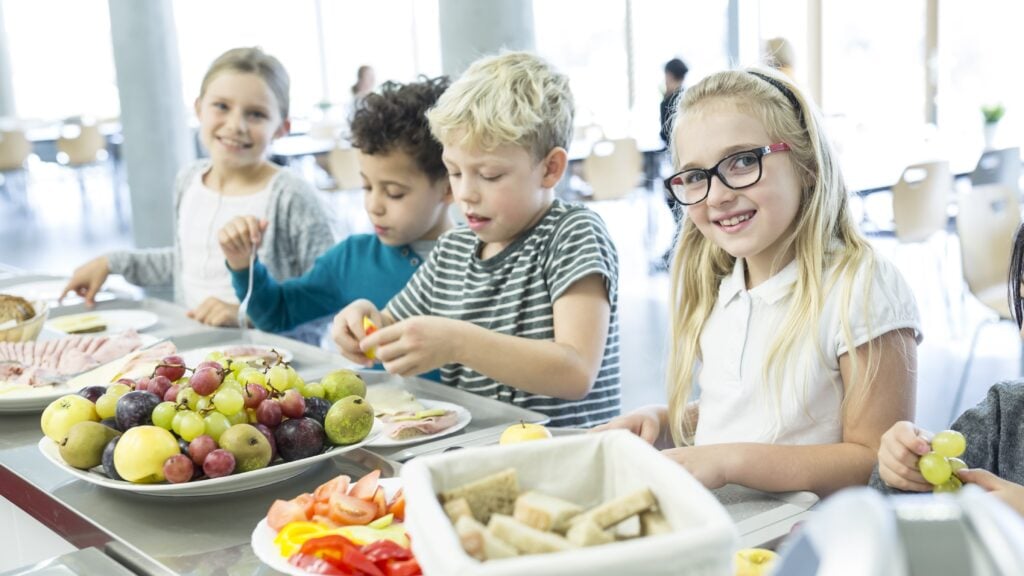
{"points": [[940, 465]]}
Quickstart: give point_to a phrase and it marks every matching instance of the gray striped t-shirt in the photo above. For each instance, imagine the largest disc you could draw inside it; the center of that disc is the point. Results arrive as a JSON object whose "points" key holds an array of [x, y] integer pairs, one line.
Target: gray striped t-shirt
{"points": [[513, 293]]}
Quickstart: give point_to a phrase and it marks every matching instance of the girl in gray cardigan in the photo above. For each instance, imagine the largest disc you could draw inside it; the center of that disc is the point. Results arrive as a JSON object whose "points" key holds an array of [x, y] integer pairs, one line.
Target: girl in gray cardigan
{"points": [[242, 107], [994, 429]]}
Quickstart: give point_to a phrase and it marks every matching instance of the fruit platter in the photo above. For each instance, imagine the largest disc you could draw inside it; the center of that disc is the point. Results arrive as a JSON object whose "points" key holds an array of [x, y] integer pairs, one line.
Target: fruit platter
{"points": [[223, 425], [343, 527]]}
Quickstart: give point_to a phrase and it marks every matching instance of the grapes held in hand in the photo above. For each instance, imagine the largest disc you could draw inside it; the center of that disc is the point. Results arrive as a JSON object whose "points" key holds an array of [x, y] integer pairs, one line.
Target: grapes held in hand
{"points": [[935, 468], [949, 443]]}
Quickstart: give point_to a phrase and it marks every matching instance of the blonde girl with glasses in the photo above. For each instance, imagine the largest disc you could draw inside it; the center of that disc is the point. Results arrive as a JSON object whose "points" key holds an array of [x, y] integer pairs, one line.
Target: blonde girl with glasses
{"points": [[796, 341]]}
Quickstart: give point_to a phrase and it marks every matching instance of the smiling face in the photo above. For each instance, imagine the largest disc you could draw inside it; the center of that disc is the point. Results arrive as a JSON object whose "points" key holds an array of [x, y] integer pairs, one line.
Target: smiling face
{"points": [[502, 192], [239, 116], [403, 203], [751, 223]]}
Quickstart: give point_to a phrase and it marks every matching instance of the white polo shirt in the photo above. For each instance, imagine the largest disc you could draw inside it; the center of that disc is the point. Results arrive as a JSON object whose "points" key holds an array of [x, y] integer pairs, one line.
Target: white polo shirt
{"points": [[735, 405]]}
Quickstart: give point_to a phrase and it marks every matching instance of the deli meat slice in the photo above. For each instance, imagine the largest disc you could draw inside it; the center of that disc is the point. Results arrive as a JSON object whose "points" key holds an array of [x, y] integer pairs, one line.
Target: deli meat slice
{"points": [[43, 363], [405, 429]]}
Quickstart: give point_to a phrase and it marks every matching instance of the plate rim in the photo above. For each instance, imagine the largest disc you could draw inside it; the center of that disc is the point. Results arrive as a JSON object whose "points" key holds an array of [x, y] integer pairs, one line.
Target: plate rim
{"points": [[384, 442], [263, 532], [222, 485], [152, 319], [286, 354]]}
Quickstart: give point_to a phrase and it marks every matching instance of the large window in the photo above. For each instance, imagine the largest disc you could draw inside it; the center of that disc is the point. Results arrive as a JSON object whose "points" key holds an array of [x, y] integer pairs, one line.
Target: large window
{"points": [[979, 65], [62, 59]]}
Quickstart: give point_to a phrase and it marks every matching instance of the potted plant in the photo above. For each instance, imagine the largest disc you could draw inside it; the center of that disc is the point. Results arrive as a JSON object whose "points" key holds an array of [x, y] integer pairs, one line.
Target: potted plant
{"points": [[993, 114]]}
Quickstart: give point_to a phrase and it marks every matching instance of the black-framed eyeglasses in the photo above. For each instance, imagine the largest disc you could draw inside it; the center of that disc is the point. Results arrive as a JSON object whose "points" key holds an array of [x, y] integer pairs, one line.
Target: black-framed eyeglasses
{"points": [[737, 171]]}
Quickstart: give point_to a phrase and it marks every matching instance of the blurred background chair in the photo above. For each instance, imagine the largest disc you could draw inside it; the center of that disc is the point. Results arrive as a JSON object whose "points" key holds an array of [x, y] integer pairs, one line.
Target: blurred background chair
{"points": [[920, 200], [343, 166], [613, 169], [998, 167], [988, 217], [82, 145], [14, 152]]}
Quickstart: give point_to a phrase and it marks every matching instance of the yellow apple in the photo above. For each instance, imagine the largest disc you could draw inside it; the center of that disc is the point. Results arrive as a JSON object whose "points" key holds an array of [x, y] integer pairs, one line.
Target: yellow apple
{"points": [[65, 412], [754, 561], [523, 432], [141, 452]]}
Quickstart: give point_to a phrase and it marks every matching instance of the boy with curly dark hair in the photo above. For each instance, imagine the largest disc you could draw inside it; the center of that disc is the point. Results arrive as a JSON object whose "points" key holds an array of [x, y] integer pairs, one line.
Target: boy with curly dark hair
{"points": [[407, 195]]}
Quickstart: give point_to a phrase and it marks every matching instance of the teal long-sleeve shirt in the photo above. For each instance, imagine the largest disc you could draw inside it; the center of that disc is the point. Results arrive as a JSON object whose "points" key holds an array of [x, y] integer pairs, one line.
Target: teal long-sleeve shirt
{"points": [[360, 266]]}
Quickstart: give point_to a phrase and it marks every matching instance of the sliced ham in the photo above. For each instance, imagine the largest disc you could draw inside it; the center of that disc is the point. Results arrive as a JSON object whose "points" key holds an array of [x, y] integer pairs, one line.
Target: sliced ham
{"points": [[43, 363], [405, 429]]}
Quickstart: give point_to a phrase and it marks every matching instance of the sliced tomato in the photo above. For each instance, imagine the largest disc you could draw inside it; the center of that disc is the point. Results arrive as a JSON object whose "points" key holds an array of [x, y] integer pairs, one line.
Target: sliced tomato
{"points": [[366, 487], [337, 484], [381, 502], [307, 503], [397, 506], [321, 508], [348, 511], [284, 511]]}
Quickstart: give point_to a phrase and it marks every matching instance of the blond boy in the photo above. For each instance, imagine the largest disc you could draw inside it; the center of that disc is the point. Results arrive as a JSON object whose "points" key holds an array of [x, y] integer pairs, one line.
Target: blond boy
{"points": [[520, 304]]}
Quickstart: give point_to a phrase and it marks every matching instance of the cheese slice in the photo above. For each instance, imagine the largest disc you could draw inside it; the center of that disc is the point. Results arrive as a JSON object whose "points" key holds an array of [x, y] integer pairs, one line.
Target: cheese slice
{"points": [[79, 324]]}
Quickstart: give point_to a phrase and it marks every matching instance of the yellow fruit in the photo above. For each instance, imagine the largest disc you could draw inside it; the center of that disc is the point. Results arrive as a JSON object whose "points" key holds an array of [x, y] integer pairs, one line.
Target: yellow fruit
{"points": [[754, 561], [523, 432], [141, 452], [65, 412]]}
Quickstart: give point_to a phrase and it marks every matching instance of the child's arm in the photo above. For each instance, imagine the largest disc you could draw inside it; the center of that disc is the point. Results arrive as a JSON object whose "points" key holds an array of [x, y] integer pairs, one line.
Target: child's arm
{"points": [[902, 446], [826, 468], [238, 238], [348, 332], [565, 368]]}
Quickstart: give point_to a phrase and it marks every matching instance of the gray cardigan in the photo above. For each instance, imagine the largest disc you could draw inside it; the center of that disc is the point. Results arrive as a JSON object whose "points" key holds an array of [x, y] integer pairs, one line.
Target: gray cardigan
{"points": [[995, 434], [297, 235]]}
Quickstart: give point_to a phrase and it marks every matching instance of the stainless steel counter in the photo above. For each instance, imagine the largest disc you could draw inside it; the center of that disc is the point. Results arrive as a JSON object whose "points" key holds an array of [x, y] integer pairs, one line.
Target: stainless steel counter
{"points": [[204, 535]]}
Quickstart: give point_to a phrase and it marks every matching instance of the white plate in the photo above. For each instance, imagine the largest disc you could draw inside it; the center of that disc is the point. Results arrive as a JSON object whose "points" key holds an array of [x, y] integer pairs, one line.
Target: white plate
{"points": [[194, 357], [262, 541], [29, 399], [116, 320], [50, 291], [210, 486], [384, 441]]}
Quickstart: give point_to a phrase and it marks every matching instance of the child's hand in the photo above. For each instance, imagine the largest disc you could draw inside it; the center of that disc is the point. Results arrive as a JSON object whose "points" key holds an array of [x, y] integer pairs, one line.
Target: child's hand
{"points": [[643, 422], [901, 447], [88, 279], [414, 346], [706, 463], [1010, 493], [215, 312], [347, 330], [239, 237]]}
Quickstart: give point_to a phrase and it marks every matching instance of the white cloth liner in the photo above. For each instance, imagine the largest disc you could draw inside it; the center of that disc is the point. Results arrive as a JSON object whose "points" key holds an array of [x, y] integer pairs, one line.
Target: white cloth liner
{"points": [[588, 470]]}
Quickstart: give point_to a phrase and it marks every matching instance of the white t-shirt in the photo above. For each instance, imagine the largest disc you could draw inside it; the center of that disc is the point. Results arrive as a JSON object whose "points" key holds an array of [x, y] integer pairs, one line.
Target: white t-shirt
{"points": [[203, 213], [735, 405]]}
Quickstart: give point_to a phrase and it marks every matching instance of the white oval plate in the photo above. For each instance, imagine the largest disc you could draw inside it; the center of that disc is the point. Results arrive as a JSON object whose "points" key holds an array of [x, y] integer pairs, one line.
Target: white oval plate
{"points": [[28, 399], [194, 357], [262, 540], [210, 486], [116, 320], [385, 441]]}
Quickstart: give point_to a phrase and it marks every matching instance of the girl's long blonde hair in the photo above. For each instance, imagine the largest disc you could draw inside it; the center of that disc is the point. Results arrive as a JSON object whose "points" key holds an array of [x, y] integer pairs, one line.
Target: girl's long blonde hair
{"points": [[824, 237]]}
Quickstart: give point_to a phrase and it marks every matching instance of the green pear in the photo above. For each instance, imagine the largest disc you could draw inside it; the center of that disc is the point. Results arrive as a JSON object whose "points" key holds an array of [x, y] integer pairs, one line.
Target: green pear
{"points": [[349, 420], [248, 445], [83, 447], [343, 383]]}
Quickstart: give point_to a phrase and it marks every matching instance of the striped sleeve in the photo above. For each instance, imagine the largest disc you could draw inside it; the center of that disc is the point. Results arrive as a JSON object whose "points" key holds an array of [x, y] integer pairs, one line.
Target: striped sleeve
{"points": [[581, 246], [417, 296]]}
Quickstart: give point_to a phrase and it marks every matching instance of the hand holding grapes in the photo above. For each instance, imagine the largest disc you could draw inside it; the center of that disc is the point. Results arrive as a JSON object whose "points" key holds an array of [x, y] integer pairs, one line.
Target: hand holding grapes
{"points": [[239, 237], [1009, 492]]}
